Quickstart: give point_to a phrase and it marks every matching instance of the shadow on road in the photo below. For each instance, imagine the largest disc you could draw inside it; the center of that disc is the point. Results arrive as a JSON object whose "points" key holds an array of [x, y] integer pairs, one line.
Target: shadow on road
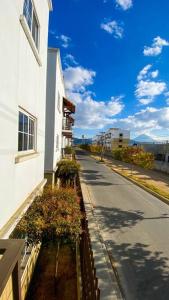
{"points": [[115, 218], [146, 272]]}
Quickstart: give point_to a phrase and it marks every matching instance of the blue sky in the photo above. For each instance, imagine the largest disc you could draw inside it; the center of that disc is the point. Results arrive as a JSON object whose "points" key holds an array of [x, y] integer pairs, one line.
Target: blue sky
{"points": [[115, 57]]}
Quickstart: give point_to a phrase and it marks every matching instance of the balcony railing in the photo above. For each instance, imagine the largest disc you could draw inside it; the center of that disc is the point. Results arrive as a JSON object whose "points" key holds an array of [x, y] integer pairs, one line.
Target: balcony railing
{"points": [[66, 125]]}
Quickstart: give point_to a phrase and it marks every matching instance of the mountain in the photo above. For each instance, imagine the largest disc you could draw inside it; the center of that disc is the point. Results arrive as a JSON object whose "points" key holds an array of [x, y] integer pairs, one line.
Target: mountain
{"points": [[144, 138], [78, 141]]}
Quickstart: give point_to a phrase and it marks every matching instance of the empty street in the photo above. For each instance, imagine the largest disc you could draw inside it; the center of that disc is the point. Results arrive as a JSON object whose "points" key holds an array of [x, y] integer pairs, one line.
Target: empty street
{"points": [[134, 226]]}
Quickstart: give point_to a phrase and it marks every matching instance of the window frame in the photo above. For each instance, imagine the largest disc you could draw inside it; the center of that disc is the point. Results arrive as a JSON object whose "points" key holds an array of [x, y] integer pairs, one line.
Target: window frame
{"points": [[30, 26], [34, 119]]}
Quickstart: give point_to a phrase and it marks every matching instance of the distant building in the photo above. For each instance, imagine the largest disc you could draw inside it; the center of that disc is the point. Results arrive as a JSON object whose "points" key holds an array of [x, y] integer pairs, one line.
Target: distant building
{"points": [[113, 138], [117, 138]]}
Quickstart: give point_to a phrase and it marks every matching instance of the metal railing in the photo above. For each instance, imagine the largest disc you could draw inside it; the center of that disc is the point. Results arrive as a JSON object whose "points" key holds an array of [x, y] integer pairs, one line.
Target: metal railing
{"points": [[66, 125]]}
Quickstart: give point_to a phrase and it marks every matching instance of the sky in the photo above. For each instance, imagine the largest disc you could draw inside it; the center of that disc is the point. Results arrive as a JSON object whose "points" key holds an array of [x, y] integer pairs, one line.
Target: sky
{"points": [[115, 59]]}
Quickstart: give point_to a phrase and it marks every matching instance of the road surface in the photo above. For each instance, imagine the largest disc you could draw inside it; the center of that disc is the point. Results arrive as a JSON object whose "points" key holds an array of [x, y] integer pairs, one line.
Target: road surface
{"points": [[135, 228]]}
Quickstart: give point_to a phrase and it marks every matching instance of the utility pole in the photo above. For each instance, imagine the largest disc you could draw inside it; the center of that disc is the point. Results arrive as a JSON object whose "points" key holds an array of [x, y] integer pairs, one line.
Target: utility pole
{"points": [[102, 144]]}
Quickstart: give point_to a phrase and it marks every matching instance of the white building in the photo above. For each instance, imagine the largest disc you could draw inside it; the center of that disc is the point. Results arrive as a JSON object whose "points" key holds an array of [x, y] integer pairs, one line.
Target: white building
{"points": [[116, 138], [58, 115], [113, 138], [23, 61]]}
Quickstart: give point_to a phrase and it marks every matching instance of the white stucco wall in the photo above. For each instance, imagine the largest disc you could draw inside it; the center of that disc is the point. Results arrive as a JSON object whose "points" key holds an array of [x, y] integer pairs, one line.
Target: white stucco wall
{"points": [[115, 133], [22, 83], [54, 116]]}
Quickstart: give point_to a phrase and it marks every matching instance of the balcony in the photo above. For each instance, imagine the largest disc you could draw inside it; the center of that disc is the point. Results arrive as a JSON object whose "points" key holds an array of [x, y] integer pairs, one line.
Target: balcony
{"points": [[67, 124], [10, 279]]}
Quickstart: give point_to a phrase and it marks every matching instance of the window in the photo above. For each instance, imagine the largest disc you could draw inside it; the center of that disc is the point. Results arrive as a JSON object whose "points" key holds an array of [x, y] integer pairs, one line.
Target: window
{"points": [[120, 140], [26, 132], [120, 146], [121, 134], [57, 142], [31, 18]]}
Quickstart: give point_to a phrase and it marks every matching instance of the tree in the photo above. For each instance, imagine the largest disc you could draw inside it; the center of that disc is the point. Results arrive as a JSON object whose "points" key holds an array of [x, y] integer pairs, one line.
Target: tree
{"points": [[135, 156]]}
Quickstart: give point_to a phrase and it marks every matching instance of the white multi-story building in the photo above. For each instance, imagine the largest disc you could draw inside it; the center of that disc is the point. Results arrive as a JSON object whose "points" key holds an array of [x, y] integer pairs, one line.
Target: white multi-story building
{"points": [[113, 138], [116, 138], [23, 61], [58, 115]]}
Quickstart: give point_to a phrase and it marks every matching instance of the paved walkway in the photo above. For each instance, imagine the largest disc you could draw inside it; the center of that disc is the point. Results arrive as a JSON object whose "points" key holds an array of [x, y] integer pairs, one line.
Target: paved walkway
{"points": [[134, 226]]}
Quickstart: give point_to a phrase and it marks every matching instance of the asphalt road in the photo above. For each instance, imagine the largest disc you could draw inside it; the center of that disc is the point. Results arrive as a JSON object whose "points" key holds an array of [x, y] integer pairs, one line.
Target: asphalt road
{"points": [[135, 228]]}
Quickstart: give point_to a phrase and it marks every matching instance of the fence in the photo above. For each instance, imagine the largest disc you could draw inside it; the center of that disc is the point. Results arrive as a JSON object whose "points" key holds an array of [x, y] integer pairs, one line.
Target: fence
{"points": [[90, 290]]}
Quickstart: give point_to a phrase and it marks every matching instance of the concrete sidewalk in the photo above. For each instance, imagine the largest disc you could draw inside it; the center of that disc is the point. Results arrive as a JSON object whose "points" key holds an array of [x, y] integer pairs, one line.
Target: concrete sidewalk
{"points": [[108, 285]]}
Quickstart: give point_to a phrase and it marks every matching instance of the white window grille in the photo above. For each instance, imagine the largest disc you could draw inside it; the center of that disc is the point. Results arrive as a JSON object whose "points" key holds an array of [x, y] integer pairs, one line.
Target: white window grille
{"points": [[32, 20], [26, 132]]}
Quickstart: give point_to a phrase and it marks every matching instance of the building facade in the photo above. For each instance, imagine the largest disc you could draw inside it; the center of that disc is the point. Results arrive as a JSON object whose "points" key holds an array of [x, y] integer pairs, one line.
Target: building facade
{"points": [[116, 138], [113, 138], [67, 123], [58, 115], [23, 61]]}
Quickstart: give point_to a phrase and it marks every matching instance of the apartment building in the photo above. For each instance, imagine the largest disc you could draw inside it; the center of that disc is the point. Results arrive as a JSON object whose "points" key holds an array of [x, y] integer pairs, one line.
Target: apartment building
{"points": [[116, 138], [59, 121], [113, 138], [23, 61]]}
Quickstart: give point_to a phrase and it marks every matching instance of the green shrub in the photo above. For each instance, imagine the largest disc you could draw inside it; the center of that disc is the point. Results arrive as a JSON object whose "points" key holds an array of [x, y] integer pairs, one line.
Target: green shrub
{"points": [[92, 148], [69, 150], [117, 154], [67, 171], [134, 155], [52, 216]]}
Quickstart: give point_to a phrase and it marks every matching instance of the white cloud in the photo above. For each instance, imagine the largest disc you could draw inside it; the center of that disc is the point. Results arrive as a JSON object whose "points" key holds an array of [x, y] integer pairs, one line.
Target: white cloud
{"points": [[167, 101], [150, 89], [114, 28], [156, 47], [92, 114], [145, 101], [146, 121], [124, 4], [69, 60], [143, 72], [64, 40], [77, 78], [146, 88], [89, 112], [155, 74]]}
